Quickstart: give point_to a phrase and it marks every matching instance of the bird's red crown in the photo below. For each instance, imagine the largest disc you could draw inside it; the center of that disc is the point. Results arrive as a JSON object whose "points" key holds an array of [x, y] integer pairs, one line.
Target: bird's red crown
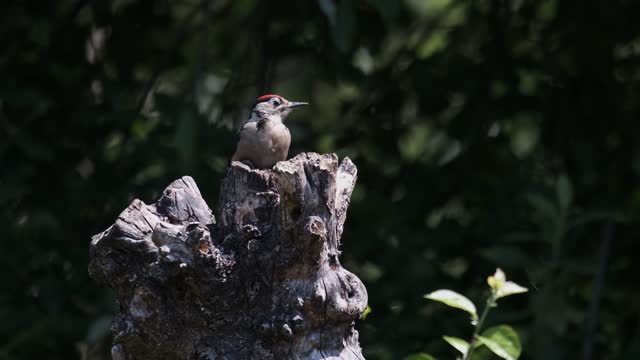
{"points": [[267, 97]]}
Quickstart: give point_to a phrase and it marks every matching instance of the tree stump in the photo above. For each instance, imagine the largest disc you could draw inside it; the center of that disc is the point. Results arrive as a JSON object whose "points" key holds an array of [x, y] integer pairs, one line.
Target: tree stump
{"points": [[265, 282]]}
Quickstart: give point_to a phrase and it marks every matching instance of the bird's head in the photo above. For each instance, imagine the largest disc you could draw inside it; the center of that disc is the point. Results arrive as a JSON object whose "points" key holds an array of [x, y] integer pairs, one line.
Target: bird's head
{"points": [[273, 107]]}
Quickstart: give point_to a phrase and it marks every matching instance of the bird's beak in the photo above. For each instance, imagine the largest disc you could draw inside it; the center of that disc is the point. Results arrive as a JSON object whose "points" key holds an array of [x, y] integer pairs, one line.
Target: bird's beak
{"points": [[293, 104]]}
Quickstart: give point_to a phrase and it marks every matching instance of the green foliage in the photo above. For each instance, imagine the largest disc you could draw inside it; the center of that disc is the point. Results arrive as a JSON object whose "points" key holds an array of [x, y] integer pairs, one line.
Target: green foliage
{"points": [[455, 300], [366, 312], [461, 345], [486, 133], [502, 340], [500, 287]]}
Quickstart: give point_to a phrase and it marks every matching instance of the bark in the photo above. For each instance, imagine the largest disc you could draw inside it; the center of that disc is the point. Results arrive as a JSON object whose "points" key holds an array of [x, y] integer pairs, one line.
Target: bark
{"points": [[265, 282]]}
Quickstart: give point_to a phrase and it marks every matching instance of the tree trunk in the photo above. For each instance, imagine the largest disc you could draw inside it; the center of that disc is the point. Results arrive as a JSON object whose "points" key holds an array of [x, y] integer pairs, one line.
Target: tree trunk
{"points": [[265, 282]]}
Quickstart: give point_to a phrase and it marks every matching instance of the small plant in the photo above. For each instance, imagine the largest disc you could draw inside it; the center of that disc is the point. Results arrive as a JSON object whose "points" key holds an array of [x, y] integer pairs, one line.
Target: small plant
{"points": [[502, 340]]}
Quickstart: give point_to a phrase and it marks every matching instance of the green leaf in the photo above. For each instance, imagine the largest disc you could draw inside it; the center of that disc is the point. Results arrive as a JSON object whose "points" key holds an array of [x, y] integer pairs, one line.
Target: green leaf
{"points": [[420, 356], [366, 312], [503, 341], [457, 343], [455, 300], [510, 288], [481, 352], [564, 191], [501, 287]]}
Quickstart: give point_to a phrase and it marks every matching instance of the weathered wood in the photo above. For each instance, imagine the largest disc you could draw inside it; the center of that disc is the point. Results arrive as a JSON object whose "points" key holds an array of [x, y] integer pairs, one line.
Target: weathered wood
{"points": [[264, 283]]}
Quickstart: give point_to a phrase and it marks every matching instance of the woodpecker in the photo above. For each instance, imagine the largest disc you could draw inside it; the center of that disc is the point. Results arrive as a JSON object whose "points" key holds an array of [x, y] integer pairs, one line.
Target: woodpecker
{"points": [[263, 139]]}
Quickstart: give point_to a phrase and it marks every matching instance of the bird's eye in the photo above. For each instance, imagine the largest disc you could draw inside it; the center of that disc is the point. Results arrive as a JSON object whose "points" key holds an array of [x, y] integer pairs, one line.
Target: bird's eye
{"points": [[276, 102]]}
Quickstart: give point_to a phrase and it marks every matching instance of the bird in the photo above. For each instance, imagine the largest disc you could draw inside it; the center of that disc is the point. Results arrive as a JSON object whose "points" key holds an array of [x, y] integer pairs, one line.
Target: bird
{"points": [[263, 139]]}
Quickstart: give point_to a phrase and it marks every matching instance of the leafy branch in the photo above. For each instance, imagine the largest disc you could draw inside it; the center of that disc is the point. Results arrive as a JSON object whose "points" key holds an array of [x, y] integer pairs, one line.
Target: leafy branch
{"points": [[502, 340]]}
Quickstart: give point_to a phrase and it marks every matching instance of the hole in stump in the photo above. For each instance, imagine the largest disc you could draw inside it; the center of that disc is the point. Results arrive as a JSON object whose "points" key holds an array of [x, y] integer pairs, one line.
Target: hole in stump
{"points": [[333, 261]]}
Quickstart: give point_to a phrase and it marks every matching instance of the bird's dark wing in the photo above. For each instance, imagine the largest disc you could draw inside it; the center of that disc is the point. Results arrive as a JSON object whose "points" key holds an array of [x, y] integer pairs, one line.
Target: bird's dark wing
{"points": [[237, 139], [242, 128]]}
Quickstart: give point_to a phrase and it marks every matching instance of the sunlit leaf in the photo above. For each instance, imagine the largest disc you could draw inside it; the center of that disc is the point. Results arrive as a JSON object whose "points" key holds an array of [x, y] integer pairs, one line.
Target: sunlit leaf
{"points": [[455, 300], [366, 312], [510, 288], [501, 287], [503, 341], [457, 343], [481, 352]]}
